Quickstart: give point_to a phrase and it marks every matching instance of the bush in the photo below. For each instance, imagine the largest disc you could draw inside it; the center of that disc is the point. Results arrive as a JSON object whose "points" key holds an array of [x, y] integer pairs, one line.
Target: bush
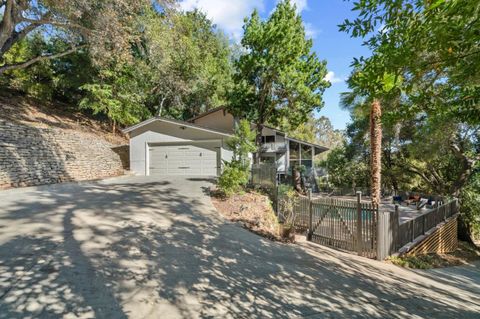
{"points": [[470, 207], [287, 199], [233, 178]]}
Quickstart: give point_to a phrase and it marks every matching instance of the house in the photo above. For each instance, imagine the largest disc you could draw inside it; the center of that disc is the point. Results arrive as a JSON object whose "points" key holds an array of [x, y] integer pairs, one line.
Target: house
{"points": [[161, 146]]}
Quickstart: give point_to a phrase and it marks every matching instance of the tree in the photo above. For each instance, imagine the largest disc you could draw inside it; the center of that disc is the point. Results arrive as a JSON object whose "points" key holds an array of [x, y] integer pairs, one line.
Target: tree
{"points": [[236, 171], [104, 26], [119, 94], [417, 50], [190, 65], [278, 78], [58, 79], [242, 143]]}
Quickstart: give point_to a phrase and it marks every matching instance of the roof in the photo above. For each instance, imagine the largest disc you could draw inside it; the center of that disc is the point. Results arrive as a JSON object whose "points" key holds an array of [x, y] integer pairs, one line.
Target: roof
{"points": [[188, 124], [172, 121], [206, 113], [323, 148]]}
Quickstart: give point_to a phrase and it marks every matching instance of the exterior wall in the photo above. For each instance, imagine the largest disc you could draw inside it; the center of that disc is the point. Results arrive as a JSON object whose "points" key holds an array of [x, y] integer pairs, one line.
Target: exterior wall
{"points": [[219, 120], [171, 133], [281, 163], [35, 156]]}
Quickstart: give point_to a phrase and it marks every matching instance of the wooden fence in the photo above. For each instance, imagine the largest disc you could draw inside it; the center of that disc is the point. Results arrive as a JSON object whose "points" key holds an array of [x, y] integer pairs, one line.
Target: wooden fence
{"points": [[342, 224], [392, 235]]}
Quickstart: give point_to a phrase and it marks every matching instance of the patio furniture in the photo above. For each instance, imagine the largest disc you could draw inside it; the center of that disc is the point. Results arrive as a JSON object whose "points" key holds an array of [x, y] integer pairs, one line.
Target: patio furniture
{"points": [[422, 203]]}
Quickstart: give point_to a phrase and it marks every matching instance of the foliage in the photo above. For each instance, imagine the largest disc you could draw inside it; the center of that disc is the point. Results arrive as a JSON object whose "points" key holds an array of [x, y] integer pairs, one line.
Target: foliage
{"points": [[278, 77], [242, 143], [58, 79], [106, 27], [429, 49], [287, 199], [119, 95], [236, 172], [178, 64], [470, 206], [233, 179], [415, 262], [189, 63], [345, 169], [424, 68]]}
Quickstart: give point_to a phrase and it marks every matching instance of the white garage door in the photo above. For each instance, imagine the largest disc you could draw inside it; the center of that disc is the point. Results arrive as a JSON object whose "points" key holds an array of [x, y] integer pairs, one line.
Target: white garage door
{"points": [[182, 160]]}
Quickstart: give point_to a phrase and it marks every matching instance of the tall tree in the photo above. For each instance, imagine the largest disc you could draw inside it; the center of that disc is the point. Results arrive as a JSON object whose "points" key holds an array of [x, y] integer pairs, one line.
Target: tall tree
{"points": [[376, 150], [105, 26], [279, 77], [190, 63], [429, 51]]}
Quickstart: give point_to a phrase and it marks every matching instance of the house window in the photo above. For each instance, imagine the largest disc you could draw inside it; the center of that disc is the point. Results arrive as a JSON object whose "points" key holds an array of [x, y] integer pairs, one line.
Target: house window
{"points": [[268, 139], [267, 159]]}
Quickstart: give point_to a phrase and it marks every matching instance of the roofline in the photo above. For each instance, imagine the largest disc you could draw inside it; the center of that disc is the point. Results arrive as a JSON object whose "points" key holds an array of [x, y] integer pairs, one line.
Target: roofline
{"points": [[172, 121], [307, 143], [215, 109]]}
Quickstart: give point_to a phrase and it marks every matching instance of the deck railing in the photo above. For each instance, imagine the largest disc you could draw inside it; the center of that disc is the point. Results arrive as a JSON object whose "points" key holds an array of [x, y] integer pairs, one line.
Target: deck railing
{"points": [[393, 235]]}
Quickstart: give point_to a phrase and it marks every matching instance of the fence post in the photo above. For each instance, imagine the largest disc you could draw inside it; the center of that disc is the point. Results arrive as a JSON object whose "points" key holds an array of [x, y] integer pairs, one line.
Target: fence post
{"points": [[310, 216], [383, 235], [395, 226], [359, 224]]}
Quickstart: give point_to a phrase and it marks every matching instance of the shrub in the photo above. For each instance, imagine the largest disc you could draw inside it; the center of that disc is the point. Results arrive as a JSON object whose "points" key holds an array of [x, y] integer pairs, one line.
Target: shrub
{"points": [[287, 199], [235, 174], [470, 207], [233, 178]]}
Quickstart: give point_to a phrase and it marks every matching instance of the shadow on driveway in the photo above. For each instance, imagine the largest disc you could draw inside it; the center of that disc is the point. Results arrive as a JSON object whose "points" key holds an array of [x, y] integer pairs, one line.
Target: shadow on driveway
{"points": [[137, 248]]}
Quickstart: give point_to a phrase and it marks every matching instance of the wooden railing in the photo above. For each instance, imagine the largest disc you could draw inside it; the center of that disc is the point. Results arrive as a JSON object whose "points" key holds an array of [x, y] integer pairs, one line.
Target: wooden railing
{"points": [[393, 235]]}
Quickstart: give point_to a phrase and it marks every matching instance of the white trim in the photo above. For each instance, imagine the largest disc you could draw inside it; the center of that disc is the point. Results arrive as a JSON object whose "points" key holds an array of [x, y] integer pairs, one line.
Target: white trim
{"points": [[180, 123]]}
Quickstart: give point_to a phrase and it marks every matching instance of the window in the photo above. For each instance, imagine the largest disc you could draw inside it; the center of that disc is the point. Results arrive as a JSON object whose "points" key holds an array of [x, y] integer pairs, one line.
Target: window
{"points": [[268, 139], [267, 159]]}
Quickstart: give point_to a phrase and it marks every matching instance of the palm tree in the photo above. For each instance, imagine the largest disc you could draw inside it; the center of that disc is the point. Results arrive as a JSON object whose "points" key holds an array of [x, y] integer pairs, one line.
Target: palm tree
{"points": [[376, 149], [358, 104]]}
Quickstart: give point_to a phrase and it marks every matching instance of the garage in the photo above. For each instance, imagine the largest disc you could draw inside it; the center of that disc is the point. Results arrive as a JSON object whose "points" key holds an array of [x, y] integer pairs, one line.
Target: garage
{"points": [[172, 160], [165, 147]]}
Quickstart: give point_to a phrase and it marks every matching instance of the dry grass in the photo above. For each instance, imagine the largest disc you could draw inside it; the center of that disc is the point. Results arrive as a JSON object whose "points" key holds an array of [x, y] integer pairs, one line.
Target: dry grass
{"points": [[30, 112], [252, 209], [465, 253]]}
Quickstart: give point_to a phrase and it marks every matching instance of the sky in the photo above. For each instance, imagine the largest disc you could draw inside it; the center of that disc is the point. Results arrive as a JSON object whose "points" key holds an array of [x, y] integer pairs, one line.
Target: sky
{"points": [[321, 19]]}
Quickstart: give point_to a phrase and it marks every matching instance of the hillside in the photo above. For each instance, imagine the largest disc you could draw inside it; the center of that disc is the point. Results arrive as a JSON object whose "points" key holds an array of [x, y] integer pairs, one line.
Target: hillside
{"points": [[30, 112], [44, 143]]}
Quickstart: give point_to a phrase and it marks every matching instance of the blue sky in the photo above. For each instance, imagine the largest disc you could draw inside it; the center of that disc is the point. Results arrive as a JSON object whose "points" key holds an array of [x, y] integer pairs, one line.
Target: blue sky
{"points": [[321, 18]]}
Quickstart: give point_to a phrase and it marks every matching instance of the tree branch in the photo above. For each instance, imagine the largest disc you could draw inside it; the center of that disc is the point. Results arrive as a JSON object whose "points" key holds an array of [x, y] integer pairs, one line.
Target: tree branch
{"points": [[17, 36], [25, 64], [67, 25]]}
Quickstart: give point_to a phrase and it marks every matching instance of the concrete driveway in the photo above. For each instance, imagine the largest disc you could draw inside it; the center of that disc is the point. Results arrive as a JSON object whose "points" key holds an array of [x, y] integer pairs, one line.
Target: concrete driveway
{"points": [[146, 248]]}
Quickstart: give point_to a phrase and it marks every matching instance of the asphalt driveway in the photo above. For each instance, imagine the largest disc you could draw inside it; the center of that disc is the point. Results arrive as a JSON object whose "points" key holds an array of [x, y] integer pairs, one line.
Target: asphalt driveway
{"points": [[135, 247]]}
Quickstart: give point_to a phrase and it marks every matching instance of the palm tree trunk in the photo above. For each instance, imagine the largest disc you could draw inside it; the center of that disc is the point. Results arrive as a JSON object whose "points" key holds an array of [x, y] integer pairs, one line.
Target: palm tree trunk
{"points": [[376, 149]]}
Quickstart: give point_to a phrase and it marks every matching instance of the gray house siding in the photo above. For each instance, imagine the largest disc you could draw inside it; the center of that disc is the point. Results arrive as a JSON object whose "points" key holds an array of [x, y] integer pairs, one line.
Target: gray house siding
{"points": [[159, 133]]}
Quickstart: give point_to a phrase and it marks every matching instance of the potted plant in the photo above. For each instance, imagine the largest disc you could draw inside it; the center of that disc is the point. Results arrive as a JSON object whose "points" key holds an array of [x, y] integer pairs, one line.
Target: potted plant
{"points": [[287, 200]]}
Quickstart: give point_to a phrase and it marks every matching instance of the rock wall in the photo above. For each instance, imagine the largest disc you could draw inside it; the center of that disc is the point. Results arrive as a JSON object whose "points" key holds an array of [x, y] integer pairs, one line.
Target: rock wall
{"points": [[35, 156]]}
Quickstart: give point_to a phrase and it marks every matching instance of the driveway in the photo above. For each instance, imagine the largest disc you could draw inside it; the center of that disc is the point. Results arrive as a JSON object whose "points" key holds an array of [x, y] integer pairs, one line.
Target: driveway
{"points": [[146, 248]]}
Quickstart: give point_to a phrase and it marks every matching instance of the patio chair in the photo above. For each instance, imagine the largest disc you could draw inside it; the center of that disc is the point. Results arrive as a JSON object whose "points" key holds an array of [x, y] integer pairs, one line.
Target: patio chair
{"points": [[422, 203]]}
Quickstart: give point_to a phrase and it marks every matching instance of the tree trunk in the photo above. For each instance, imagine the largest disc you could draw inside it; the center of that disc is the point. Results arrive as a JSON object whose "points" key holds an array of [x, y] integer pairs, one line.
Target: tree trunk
{"points": [[376, 149], [258, 143]]}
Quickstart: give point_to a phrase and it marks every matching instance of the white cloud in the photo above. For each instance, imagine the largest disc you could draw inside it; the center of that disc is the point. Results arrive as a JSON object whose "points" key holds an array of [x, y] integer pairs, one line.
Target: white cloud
{"points": [[301, 5], [310, 31], [228, 15], [332, 78]]}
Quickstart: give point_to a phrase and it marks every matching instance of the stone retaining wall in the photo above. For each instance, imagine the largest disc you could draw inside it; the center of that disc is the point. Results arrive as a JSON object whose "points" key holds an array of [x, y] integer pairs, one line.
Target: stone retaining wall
{"points": [[35, 156]]}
